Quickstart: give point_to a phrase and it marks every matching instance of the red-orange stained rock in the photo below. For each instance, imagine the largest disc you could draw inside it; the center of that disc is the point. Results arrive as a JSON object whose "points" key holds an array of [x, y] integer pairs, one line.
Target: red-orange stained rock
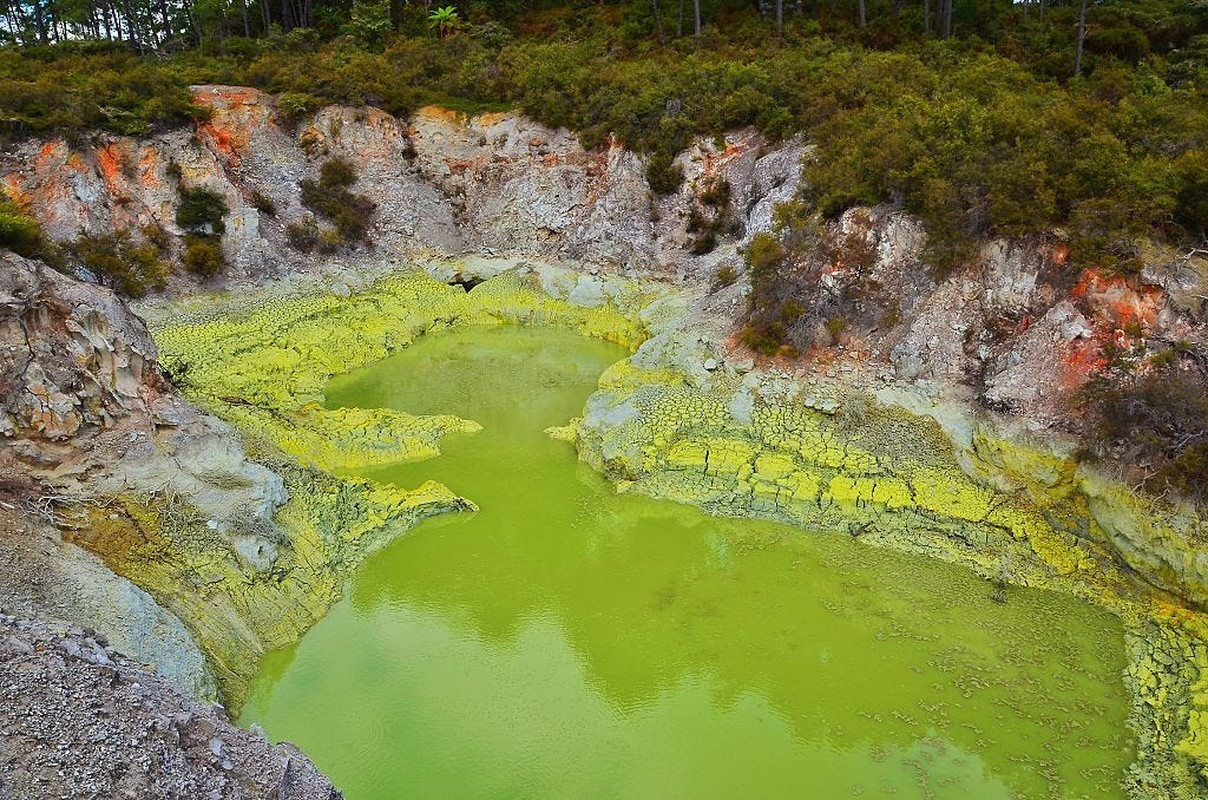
{"points": [[1082, 361], [147, 175], [1061, 253], [1118, 301], [109, 160]]}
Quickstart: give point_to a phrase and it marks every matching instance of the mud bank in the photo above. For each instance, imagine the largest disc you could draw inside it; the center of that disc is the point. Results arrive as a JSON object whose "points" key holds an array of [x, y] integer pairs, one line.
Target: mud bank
{"points": [[674, 421]]}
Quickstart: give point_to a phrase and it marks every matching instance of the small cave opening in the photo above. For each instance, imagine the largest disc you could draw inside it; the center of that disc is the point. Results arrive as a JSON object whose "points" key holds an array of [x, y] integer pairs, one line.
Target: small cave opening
{"points": [[466, 282]]}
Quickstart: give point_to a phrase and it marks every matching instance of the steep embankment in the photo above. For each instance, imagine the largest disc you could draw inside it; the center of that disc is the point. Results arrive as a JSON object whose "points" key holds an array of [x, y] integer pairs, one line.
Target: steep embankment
{"points": [[1014, 325], [247, 556]]}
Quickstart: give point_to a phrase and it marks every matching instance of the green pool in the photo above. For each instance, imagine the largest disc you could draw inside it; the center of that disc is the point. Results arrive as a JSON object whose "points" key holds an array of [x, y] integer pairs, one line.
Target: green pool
{"points": [[566, 641]]}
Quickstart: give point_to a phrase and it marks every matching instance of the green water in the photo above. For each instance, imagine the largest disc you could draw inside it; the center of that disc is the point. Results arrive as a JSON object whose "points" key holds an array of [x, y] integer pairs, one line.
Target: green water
{"points": [[565, 641]]}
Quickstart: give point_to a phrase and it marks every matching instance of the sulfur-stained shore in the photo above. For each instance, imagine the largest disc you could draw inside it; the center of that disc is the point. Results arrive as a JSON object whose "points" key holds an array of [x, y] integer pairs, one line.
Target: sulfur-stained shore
{"points": [[674, 421]]}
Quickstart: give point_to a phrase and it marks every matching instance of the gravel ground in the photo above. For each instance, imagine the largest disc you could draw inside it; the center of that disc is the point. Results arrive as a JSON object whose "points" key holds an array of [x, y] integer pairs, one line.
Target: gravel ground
{"points": [[79, 720]]}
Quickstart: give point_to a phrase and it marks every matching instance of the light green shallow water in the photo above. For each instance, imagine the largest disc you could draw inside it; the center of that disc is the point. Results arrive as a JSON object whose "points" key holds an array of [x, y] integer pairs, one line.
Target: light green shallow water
{"points": [[568, 642]]}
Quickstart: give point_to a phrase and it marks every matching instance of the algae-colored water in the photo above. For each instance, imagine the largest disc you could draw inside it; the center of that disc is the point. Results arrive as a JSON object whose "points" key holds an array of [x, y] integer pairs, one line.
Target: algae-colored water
{"points": [[566, 641]]}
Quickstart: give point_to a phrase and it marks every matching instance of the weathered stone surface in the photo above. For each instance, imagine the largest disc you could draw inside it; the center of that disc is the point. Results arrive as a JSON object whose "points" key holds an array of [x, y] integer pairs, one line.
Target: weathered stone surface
{"points": [[78, 719], [72, 357], [43, 577]]}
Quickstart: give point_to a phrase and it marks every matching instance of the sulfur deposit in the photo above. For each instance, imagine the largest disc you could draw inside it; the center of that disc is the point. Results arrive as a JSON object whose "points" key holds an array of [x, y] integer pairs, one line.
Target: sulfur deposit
{"points": [[734, 443]]}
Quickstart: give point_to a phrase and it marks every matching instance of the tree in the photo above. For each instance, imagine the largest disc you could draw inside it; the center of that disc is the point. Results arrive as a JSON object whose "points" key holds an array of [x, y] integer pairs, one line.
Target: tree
{"points": [[1081, 38], [943, 18], [696, 15], [444, 20], [658, 19]]}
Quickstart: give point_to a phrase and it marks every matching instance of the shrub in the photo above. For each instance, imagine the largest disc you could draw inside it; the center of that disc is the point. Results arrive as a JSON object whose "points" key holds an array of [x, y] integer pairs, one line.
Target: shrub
{"points": [[263, 203], [329, 197], [201, 211], [19, 232], [835, 327], [663, 174], [764, 256], [129, 267], [764, 340], [337, 173], [715, 193], [203, 255], [725, 276], [1155, 420], [303, 235], [292, 106], [703, 244]]}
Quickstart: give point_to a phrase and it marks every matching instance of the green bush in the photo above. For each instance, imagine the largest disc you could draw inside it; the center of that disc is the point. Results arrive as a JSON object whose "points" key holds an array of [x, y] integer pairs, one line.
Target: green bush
{"points": [[1154, 420], [329, 197], [201, 211], [128, 266], [203, 256], [303, 235], [663, 174], [263, 203], [19, 232], [726, 275]]}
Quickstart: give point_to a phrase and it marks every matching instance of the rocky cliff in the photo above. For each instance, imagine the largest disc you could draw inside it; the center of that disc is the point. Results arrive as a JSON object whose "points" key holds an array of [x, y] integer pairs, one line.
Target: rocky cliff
{"points": [[1015, 326]]}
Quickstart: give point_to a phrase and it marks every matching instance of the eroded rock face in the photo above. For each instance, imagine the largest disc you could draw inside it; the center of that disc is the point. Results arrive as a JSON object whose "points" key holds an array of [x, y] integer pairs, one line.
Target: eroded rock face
{"points": [[444, 183], [72, 357], [78, 719], [98, 442], [1015, 328]]}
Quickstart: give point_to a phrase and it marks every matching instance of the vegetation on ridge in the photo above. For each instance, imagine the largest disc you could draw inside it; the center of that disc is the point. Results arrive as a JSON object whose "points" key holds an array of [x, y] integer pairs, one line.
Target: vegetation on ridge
{"points": [[973, 120]]}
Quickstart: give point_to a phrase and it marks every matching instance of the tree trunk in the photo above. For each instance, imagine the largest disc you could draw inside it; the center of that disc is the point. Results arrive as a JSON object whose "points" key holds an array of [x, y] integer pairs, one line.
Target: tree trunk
{"points": [[926, 17], [780, 17], [696, 15], [863, 14], [40, 21], [658, 19], [1081, 38], [167, 20]]}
